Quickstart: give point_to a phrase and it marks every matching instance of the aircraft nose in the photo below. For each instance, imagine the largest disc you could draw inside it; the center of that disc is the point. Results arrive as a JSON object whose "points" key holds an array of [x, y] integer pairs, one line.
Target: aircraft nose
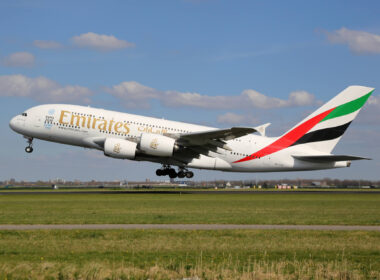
{"points": [[13, 124]]}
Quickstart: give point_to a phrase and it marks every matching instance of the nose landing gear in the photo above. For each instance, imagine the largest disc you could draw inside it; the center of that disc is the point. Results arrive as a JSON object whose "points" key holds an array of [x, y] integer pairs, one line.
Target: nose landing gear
{"points": [[29, 148], [167, 170]]}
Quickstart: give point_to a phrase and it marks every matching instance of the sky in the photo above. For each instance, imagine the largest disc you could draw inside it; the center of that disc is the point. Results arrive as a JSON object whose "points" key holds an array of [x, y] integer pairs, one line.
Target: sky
{"points": [[211, 62]]}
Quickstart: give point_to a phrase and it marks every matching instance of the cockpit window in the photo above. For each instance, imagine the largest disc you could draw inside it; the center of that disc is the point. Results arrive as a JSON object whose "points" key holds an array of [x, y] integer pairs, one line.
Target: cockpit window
{"points": [[24, 114]]}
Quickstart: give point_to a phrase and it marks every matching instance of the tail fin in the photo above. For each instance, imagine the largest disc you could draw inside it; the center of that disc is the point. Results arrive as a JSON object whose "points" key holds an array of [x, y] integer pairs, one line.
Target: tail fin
{"points": [[323, 129]]}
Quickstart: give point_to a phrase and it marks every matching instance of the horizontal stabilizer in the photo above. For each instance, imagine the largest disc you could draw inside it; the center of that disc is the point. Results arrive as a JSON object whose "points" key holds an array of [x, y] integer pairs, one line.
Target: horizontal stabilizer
{"points": [[329, 158]]}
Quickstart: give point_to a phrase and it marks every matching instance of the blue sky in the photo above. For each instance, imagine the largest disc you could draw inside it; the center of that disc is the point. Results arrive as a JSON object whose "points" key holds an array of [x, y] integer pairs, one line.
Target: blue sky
{"points": [[192, 61]]}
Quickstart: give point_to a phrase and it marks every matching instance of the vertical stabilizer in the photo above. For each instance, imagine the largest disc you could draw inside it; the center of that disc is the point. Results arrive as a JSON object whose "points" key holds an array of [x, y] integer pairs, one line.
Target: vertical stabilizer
{"points": [[323, 129]]}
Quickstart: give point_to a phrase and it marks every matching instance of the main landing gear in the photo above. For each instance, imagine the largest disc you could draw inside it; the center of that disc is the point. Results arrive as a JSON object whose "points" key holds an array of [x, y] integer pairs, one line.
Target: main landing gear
{"points": [[167, 170], [29, 148]]}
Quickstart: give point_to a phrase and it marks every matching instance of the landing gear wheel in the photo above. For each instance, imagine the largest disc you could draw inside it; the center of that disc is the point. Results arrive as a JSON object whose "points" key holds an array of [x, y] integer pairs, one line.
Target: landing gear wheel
{"points": [[181, 174], [167, 170], [172, 173], [28, 149]]}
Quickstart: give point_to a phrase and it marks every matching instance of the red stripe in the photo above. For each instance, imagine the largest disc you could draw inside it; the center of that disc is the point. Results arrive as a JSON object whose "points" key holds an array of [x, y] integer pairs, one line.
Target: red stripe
{"points": [[288, 139]]}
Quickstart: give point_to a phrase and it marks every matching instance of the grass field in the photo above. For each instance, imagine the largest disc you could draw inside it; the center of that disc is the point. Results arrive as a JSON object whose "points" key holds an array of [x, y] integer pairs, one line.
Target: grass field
{"points": [[167, 254], [178, 254], [326, 208]]}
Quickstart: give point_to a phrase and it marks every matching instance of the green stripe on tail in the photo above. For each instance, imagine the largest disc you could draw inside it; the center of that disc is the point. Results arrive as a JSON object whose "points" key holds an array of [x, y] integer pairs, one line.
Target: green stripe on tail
{"points": [[348, 107]]}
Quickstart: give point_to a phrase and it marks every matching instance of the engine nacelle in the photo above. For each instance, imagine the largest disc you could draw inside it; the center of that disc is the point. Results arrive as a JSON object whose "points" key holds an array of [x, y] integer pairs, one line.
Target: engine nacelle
{"points": [[157, 145], [119, 148]]}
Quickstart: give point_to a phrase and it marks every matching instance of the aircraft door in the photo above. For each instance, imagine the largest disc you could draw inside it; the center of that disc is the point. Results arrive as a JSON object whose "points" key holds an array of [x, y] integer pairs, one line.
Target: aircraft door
{"points": [[36, 120]]}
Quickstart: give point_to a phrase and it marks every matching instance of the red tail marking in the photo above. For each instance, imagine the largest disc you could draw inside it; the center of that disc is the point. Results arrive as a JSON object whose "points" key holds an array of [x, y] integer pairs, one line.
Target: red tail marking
{"points": [[289, 138]]}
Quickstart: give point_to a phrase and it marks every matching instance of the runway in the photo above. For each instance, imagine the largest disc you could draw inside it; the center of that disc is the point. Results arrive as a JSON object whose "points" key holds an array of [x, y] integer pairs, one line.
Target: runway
{"points": [[180, 192], [188, 227]]}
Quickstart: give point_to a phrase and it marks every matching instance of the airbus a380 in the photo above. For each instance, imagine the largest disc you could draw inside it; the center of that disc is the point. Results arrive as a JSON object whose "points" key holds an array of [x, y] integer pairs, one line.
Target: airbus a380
{"points": [[306, 146]]}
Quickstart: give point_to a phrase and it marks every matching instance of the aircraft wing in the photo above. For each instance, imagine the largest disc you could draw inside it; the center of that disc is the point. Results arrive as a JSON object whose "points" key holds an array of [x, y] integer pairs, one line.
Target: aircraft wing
{"points": [[195, 143], [329, 158], [215, 138], [220, 134]]}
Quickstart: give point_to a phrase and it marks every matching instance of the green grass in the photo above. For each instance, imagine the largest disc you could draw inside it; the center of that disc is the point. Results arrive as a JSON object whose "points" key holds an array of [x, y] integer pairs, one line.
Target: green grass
{"points": [[326, 208], [174, 254]]}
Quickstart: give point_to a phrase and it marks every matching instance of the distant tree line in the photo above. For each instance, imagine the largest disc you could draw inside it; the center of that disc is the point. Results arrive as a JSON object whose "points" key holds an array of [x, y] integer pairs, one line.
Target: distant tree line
{"points": [[325, 182]]}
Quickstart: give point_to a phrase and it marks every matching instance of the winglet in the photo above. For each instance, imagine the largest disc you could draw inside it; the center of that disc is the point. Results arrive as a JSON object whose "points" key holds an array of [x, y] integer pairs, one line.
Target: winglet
{"points": [[261, 129]]}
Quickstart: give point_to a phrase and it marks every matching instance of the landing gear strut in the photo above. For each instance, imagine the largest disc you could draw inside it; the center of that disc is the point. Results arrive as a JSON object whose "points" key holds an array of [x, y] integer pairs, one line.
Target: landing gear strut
{"points": [[29, 148], [167, 170]]}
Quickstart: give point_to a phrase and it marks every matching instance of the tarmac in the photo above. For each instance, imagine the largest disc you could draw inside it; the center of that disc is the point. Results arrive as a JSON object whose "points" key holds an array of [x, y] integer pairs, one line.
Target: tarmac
{"points": [[188, 227]]}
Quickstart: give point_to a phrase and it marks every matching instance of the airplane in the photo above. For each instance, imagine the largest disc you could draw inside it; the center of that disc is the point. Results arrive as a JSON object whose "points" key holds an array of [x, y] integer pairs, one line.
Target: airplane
{"points": [[306, 146]]}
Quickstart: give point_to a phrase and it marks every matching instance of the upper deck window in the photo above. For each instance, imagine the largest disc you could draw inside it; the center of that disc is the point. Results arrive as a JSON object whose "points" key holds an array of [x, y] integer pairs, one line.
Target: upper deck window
{"points": [[24, 114]]}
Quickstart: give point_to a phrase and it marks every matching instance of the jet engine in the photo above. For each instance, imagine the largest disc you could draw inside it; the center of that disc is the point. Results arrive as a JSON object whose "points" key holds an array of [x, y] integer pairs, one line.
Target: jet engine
{"points": [[119, 148], [157, 145]]}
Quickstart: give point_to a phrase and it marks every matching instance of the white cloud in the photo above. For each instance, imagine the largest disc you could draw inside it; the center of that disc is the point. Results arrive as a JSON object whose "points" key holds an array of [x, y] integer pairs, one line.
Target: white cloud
{"points": [[100, 42], [260, 100], [374, 100], [248, 98], [296, 98], [301, 98], [369, 114], [42, 89], [43, 44], [230, 118], [19, 59], [236, 119], [358, 41], [133, 94], [192, 99]]}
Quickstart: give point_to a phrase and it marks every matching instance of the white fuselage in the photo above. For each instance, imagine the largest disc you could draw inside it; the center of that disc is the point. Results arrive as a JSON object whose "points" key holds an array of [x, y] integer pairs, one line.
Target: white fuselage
{"points": [[84, 126]]}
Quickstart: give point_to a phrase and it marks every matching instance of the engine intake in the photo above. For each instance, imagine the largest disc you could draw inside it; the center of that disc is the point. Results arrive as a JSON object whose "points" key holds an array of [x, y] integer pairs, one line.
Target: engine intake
{"points": [[119, 148], [157, 145]]}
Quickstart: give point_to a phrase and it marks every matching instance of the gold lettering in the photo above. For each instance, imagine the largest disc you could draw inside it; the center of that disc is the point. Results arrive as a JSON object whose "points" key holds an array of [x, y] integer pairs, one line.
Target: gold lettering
{"points": [[94, 122], [117, 126], [88, 121], [63, 114], [73, 117], [103, 126], [110, 125], [126, 128]]}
